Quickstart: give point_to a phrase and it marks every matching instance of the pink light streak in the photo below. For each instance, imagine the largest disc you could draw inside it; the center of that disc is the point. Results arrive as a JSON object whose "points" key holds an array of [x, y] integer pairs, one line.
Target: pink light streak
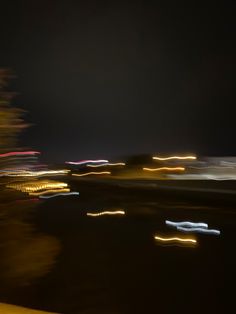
{"points": [[19, 153], [82, 162]]}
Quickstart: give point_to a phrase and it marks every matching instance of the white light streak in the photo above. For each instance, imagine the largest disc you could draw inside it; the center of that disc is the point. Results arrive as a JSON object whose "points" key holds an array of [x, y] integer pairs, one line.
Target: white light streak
{"points": [[186, 224], [58, 194], [199, 230]]}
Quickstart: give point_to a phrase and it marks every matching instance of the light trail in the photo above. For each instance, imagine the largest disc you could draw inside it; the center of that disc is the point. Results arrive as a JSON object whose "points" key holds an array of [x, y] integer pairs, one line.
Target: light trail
{"points": [[90, 173], [19, 153], [199, 230], [212, 167], [174, 239], [117, 212], [24, 173], [49, 192], [107, 164], [82, 162], [59, 194], [175, 157], [35, 186], [186, 224], [165, 169]]}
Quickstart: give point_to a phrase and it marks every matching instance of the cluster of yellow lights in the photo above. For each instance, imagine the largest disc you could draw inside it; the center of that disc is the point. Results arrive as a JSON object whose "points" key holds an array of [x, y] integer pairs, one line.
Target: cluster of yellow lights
{"points": [[35, 186], [176, 239], [165, 169], [90, 173], [175, 157], [117, 212]]}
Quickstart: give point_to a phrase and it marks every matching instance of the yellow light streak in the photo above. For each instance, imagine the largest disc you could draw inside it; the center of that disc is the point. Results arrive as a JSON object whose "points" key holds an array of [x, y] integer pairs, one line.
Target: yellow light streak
{"points": [[90, 173], [174, 239], [165, 169], [117, 212], [49, 192], [107, 164], [175, 157], [24, 173]]}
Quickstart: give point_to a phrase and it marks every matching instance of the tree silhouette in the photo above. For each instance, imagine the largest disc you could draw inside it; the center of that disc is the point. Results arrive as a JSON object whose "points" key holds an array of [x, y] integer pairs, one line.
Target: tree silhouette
{"points": [[11, 122], [25, 253]]}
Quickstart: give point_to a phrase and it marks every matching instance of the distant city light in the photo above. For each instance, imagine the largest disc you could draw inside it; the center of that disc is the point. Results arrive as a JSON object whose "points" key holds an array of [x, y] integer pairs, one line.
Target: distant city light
{"points": [[186, 224], [90, 173], [49, 192], [117, 212], [175, 239], [82, 162], [199, 230], [174, 157], [26, 173], [19, 153], [165, 169], [59, 194], [107, 164]]}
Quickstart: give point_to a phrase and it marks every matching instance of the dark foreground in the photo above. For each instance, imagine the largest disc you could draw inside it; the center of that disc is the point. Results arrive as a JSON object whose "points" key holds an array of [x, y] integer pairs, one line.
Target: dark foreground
{"points": [[113, 264]]}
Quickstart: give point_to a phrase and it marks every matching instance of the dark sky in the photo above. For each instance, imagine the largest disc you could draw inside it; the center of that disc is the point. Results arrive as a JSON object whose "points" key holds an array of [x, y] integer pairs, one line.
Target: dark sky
{"points": [[107, 78]]}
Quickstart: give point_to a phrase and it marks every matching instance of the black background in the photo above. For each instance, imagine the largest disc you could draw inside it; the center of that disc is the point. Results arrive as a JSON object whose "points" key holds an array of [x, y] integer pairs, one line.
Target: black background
{"points": [[109, 78]]}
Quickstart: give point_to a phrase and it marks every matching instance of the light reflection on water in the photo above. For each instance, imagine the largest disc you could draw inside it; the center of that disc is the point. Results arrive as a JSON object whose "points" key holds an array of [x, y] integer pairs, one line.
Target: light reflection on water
{"points": [[112, 263], [26, 253]]}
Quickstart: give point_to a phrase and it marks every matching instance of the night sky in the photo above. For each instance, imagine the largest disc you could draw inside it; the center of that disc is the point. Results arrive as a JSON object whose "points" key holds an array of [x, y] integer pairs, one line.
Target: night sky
{"points": [[111, 78]]}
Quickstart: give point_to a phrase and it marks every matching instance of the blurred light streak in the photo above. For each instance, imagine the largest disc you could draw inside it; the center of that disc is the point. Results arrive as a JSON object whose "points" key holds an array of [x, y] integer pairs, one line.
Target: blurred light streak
{"points": [[82, 162], [174, 239], [199, 230], [90, 173], [108, 164], [19, 153], [24, 173], [117, 212], [220, 177], [212, 167], [23, 158], [186, 224], [59, 194], [34, 186], [175, 157], [48, 192], [228, 163], [165, 169]]}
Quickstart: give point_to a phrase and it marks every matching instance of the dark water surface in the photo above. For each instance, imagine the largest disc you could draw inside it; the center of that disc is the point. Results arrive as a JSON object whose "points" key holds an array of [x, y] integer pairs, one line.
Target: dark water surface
{"points": [[112, 264]]}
